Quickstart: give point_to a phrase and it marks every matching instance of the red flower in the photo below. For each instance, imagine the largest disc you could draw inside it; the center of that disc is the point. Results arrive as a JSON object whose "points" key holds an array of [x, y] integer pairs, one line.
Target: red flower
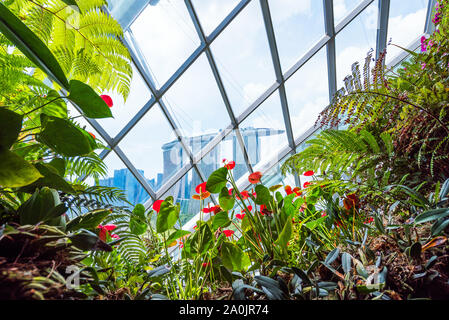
{"points": [[215, 209], [228, 233], [201, 187], [306, 184], [323, 214], [107, 99], [194, 228], [245, 195], [181, 244], [288, 190], [250, 208], [240, 216], [93, 136], [205, 264], [309, 173], [369, 220], [255, 177], [297, 191], [230, 165], [105, 230], [115, 236], [157, 205], [230, 192]]}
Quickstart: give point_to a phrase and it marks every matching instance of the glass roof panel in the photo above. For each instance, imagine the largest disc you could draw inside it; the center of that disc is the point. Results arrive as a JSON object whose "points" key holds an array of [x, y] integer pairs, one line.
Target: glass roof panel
{"points": [[355, 41], [212, 12], [166, 36], [298, 24], [406, 24], [343, 7], [243, 58], [228, 149], [264, 131], [196, 104], [120, 176], [308, 93], [123, 111], [153, 148]]}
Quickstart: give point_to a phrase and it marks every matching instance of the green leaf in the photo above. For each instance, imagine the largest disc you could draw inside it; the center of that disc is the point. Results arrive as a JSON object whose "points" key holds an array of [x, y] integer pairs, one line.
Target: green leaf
{"points": [[89, 220], [10, 125], [137, 221], [31, 46], [176, 235], [285, 235], [201, 240], [233, 257], [38, 206], [415, 250], [263, 195], [89, 241], [57, 107], [217, 180], [431, 215], [88, 100], [221, 220], [51, 179], [59, 164], [226, 200], [71, 3], [167, 216], [332, 256], [64, 137], [346, 262], [15, 171], [439, 226]]}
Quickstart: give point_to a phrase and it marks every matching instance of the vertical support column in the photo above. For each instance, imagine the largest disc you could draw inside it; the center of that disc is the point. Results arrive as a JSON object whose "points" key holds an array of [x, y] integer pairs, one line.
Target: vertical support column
{"points": [[382, 26], [329, 25]]}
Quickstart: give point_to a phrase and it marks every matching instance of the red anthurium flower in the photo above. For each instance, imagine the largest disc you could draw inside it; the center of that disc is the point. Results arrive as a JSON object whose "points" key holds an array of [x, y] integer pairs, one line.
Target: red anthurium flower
{"points": [[369, 220], [224, 160], [230, 192], [298, 191], [201, 187], [323, 214], [157, 205], [306, 184], [105, 230], [288, 190], [240, 216], [205, 264], [107, 99], [114, 236], [181, 244], [194, 228], [309, 173], [228, 233], [93, 136], [255, 177], [245, 195], [230, 165], [215, 209]]}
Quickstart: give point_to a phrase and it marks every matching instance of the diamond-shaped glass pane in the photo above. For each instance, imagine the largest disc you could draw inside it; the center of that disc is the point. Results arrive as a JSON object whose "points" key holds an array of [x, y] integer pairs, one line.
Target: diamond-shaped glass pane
{"points": [[343, 7], [153, 148], [355, 41], [120, 176], [274, 176], [228, 149], [264, 131], [212, 12], [406, 24], [197, 106], [166, 36], [308, 93], [123, 111], [243, 57], [298, 24]]}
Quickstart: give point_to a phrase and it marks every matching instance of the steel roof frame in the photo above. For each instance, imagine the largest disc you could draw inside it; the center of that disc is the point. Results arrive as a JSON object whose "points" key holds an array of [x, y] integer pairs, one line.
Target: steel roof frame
{"points": [[328, 40]]}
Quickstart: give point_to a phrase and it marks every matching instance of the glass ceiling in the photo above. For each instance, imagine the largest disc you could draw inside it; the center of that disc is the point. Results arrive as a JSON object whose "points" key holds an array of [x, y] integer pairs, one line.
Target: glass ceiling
{"points": [[242, 80]]}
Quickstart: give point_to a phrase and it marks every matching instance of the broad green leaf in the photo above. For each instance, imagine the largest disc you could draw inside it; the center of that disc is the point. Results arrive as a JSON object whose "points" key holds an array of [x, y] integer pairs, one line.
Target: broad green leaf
{"points": [[38, 206], [31, 46], [263, 195], [332, 256], [51, 179], [220, 220], [167, 216], [56, 105], [217, 180], [285, 235], [225, 200], [59, 164], [346, 262], [15, 171], [64, 137], [89, 220], [201, 240], [71, 3], [432, 215], [10, 125], [176, 235], [233, 257], [88, 241], [88, 100], [137, 221]]}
